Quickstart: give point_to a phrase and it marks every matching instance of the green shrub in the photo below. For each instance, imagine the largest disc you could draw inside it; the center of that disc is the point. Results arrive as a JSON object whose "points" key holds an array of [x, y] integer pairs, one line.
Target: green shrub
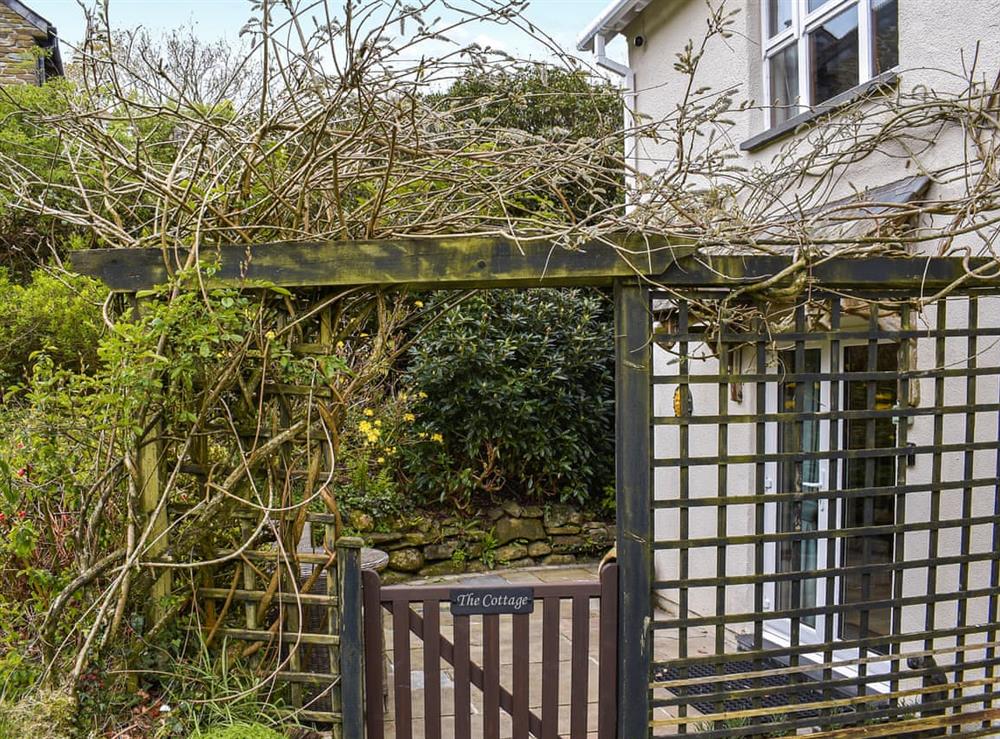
{"points": [[58, 315], [514, 395]]}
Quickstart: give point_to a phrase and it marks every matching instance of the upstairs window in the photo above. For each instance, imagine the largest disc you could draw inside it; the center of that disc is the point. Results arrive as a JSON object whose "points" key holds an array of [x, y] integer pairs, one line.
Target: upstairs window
{"points": [[816, 49]]}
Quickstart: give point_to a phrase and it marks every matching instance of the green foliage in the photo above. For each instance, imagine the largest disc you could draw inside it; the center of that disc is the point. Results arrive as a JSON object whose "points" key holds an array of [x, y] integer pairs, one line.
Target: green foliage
{"points": [[57, 315], [521, 384], [239, 731], [550, 102], [45, 714]]}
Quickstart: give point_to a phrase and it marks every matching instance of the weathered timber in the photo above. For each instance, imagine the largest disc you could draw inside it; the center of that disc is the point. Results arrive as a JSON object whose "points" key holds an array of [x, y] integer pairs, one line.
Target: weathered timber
{"points": [[633, 420], [446, 262], [869, 273]]}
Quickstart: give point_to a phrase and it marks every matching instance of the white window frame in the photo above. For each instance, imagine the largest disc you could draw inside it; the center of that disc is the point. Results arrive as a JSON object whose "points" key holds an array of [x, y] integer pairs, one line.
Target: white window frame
{"points": [[803, 22]]}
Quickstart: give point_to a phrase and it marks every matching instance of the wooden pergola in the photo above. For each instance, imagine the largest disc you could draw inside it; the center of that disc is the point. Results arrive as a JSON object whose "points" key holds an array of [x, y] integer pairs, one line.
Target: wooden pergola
{"points": [[631, 265]]}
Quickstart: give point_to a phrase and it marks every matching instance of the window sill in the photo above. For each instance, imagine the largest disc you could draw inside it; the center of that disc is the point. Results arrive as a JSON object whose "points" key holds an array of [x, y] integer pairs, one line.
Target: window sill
{"points": [[884, 81]]}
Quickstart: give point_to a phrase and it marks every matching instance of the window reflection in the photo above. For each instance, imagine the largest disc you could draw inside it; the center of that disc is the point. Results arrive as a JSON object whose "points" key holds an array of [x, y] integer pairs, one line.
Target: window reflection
{"points": [[833, 55], [784, 84], [779, 16], [885, 21]]}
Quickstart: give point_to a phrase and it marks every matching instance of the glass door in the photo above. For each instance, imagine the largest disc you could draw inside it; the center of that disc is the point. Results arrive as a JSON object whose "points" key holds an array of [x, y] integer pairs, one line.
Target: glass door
{"points": [[870, 500], [799, 515]]}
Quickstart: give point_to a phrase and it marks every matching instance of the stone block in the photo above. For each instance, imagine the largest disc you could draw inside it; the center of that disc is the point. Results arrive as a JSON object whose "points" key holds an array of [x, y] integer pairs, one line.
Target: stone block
{"points": [[559, 559], [510, 552], [448, 567], [539, 549], [532, 511], [512, 508], [409, 559], [519, 563], [568, 544], [567, 530], [380, 538], [510, 529], [440, 551], [560, 514], [495, 513]]}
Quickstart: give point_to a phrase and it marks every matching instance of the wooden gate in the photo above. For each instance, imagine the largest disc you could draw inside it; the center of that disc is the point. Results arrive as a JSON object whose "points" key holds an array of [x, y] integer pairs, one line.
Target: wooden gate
{"points": [[508, 668]]}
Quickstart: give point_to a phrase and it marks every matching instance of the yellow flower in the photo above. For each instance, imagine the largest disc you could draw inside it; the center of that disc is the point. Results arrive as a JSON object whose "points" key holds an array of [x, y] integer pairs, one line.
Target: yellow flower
{"points": [[365, 427], [421, 395], [403, 396], [380, 460], [391, 450], [409, 417], [438, 438], [369, 412], [418, 304], [378, 423], [422, 434], [270, 335], [340, 344]]}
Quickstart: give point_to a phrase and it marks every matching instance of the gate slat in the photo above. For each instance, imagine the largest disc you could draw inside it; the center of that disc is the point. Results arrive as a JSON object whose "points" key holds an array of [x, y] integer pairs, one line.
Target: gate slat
{"points": [[579, 676], [432, 669], [374, 654], [550, 668], [463, 688], [521, 646], [607, 694], [491, 677], [401, 668]]}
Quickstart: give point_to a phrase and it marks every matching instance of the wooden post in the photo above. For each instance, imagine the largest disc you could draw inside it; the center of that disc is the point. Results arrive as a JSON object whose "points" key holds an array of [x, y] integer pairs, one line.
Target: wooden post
{"points": [[149, 461], [633, 429], [351, 640]]}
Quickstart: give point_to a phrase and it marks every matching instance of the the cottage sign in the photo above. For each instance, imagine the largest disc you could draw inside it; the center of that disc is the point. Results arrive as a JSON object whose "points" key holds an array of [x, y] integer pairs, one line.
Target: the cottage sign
{"points": [[487, 601]]}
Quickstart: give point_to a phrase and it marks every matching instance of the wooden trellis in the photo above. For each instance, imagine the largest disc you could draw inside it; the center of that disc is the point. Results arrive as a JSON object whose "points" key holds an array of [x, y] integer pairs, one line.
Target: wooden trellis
{"points": [[633, 267]]}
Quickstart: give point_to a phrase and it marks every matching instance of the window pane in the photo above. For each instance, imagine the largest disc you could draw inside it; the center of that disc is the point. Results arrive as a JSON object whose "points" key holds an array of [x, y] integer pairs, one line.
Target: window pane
{"points": [[784, 84], [799, 554], [816, 4], [779, 16], [833, 50], [885, 21]]}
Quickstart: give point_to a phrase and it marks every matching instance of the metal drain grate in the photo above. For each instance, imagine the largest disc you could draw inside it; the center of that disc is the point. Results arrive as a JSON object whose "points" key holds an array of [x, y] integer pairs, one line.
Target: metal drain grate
{"points": [[786, 694]]}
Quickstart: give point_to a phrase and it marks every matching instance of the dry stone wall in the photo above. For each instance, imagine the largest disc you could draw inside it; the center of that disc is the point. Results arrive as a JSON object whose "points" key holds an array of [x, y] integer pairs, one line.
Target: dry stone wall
{"points": [[502, 537], [18, 60]]}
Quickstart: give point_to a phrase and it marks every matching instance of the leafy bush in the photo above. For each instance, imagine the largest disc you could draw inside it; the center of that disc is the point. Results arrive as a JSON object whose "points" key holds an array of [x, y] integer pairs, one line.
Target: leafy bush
{"points": [[58, 315], [515, 394]]}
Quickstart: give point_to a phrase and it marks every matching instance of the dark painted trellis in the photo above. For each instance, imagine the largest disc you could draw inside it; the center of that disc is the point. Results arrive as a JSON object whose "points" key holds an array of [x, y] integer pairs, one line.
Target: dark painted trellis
{"points": [[635, 268]]}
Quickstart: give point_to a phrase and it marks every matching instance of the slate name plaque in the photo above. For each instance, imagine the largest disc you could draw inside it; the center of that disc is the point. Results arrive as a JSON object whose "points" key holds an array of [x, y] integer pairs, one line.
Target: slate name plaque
{"points": [[489, 601]]}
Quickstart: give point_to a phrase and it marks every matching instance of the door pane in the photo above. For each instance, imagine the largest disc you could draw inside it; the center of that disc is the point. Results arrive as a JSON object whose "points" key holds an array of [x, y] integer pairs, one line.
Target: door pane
{"points": [[865, 474], [784, 84], [779, 16], [885, 21], [833, 55], [799, 476]]}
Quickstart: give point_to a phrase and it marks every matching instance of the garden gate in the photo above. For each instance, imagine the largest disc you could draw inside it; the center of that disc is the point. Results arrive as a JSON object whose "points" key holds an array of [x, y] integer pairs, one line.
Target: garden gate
{"points": [[808, 505]]}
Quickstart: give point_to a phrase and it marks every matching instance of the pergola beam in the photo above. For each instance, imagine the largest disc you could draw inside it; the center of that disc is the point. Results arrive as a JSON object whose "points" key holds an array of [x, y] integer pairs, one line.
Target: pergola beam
{"points": [[480, 262], [427, 263]]}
